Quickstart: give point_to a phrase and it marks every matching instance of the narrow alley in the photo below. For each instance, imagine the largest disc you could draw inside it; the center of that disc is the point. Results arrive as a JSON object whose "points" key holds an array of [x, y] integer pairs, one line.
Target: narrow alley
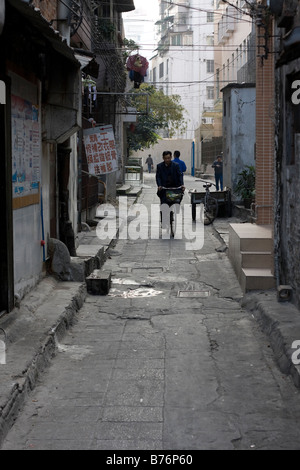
{"points": [[167, 361]]}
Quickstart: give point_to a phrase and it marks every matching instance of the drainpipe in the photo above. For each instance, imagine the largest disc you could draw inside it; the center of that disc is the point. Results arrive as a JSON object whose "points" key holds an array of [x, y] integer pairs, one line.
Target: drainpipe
{"points": [[112, 11], [63, 15], [193, 159], [2, 15]]}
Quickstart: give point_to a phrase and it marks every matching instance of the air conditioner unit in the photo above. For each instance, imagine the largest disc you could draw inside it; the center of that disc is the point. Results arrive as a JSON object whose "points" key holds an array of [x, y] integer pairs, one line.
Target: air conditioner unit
{"points": [[230, 27]]}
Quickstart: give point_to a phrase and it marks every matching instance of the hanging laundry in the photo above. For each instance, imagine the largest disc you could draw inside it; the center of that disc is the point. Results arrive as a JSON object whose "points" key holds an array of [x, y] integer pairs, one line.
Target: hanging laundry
{"points": [[89, 90], [137, 66], [136, 77], [137, 63]]}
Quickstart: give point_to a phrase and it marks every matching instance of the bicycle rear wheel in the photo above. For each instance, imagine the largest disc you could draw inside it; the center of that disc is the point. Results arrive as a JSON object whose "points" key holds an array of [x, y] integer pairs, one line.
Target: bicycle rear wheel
{"points": [[172, 223], [210, 210]]}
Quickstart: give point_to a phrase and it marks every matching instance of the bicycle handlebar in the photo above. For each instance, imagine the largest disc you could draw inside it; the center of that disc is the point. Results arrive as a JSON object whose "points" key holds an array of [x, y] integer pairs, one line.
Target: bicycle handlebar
{"points": [[163, 187], [207, 182]]}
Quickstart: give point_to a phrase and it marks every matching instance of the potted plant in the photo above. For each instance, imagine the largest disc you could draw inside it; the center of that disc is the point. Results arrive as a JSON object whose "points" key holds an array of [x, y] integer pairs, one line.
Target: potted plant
{"points": [[245, 185]]}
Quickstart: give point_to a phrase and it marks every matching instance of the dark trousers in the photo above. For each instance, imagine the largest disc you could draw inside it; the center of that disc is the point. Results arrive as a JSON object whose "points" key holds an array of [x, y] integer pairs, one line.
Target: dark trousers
{"points": [[219, 181]]}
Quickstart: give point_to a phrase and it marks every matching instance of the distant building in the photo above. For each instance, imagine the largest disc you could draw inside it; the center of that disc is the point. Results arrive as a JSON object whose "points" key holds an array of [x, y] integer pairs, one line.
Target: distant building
{"points": [[184, 60], [139, 27]]}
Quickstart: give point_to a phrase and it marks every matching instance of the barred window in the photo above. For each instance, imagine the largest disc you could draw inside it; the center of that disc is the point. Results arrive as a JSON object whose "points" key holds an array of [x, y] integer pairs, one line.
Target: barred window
{"points": [[210, 66]]}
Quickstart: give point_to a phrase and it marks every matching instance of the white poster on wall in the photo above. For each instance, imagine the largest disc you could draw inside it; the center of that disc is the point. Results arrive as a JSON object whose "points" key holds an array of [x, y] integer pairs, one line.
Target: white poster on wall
{"points": [[25, 148], [100, 149]]}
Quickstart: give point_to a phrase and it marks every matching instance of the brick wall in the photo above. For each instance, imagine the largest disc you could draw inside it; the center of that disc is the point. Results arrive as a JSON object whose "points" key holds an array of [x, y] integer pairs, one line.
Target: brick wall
{"points": [[48, 8], [264, 135]]}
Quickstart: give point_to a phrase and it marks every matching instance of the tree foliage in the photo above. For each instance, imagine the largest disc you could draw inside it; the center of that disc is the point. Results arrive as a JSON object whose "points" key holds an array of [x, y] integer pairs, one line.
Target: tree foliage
{"points": [[164, 112], [129, 45]]}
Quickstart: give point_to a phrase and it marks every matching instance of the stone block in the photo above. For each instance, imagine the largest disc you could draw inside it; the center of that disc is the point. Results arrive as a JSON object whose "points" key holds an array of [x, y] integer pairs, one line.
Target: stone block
{"points": [[284, 293], [98, 282]]}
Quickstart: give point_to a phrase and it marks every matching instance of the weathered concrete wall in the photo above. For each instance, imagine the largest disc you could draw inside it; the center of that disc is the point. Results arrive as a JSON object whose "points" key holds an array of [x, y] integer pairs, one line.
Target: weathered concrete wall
{"points": [[27, 232], [287, 207]]}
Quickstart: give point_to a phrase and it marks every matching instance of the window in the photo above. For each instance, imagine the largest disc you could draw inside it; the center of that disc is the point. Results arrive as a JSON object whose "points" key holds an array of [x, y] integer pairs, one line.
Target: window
{"points": [[161, 70], [210, 17], [154, 74], [176, 40], [105, 7], [210, 92], [182, 19], [210, 66], [210, 40], [187, 40]]}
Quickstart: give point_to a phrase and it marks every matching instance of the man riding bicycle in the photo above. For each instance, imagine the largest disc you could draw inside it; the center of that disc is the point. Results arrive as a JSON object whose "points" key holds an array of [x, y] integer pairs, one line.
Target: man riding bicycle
{"points": [[168, 175]]}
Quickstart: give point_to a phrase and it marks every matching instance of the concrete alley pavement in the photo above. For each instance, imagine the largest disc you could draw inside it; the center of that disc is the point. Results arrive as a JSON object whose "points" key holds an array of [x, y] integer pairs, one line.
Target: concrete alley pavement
{"points": [[168, 360]]}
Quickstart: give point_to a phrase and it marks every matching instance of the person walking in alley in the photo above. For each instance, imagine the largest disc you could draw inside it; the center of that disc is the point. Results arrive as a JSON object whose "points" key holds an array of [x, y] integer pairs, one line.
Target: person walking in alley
{"points": [[181, 163], [218, 167], [149, 162]]}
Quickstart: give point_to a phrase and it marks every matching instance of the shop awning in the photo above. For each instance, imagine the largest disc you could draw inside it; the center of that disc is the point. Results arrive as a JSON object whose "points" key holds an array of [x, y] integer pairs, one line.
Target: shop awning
{"points": [[88, 63]]}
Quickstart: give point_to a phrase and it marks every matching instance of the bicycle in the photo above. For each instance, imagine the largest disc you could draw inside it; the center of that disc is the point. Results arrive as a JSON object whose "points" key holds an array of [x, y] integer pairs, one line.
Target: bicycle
{"points": [[173, 198], [209, 202]]}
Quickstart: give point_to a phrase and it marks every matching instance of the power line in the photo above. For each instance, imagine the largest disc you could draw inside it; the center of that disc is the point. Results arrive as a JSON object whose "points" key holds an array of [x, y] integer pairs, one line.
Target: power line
{"points": [[209, 11], [210, 77]]}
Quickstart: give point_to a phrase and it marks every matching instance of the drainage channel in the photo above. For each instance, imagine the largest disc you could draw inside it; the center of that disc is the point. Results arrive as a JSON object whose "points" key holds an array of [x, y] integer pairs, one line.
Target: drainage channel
{"points": [[193, 293]]}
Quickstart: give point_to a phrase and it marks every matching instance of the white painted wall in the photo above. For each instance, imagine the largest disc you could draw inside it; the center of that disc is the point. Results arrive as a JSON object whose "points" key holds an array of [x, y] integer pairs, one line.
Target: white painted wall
{"points": [[28, 254]]}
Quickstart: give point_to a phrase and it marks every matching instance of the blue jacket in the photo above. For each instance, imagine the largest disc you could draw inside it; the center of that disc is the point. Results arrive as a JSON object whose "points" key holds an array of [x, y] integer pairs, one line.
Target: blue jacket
{"points": [[169, 176], [181, 164]]}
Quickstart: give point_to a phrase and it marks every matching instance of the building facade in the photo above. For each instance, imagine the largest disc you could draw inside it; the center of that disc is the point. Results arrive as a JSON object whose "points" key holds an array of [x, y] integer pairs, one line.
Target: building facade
{"points": [[286, 16], [40, 119], [46, 49], [184, 60]]}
